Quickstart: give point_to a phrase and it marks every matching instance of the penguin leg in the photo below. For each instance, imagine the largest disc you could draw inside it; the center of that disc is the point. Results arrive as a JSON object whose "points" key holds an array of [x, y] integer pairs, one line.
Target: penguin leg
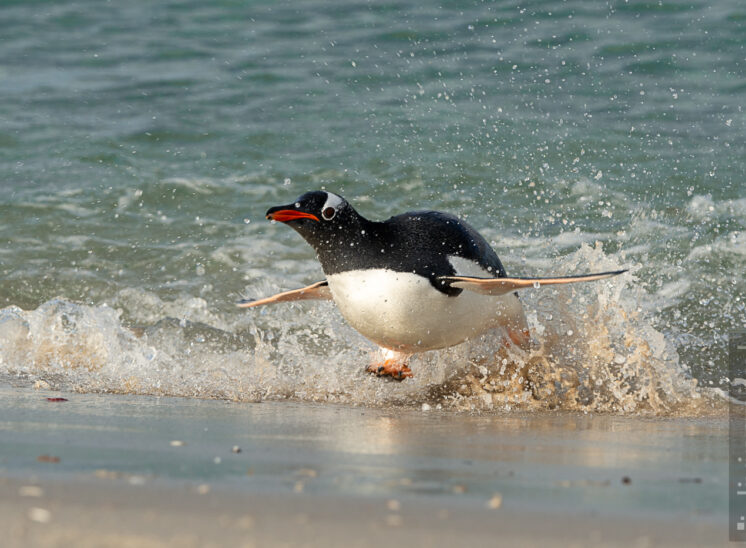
{"points": [[394, 365]]}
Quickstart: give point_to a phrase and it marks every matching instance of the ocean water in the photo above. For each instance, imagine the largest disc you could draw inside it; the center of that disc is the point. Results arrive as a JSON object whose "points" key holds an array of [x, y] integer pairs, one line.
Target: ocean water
{"points": [[141, 144]]}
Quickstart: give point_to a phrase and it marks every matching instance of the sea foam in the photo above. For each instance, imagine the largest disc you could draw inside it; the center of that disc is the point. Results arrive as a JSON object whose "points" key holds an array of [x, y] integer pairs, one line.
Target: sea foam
{"points": [[594, 349]]}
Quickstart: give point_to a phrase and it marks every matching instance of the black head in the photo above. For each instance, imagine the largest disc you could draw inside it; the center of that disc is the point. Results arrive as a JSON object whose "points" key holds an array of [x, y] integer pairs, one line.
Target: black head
{"points": [[321, 217]]}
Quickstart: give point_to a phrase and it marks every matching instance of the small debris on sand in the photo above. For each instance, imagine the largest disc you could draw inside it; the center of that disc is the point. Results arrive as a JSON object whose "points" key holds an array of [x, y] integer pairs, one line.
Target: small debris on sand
{"points": [[103, 473], [495, 502], [56, 399], [39, 515], [308, 472]]}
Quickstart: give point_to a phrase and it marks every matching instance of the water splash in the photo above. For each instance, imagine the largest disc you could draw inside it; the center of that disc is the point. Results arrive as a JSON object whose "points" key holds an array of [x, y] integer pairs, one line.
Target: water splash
{"points": [[594, 350]]}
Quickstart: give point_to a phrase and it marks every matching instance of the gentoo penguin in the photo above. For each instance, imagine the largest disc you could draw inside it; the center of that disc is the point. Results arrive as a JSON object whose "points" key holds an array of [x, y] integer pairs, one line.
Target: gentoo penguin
{"points": [[418, 281]]}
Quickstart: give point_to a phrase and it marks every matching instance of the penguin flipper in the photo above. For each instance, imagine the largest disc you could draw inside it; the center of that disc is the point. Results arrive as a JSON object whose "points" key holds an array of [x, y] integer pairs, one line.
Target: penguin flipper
{"points": [[319, 291], [501, 286]]}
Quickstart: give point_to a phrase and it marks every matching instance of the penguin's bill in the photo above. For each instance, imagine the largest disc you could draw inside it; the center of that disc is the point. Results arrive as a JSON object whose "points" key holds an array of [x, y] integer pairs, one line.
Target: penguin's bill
{"points": [[285, 215]]}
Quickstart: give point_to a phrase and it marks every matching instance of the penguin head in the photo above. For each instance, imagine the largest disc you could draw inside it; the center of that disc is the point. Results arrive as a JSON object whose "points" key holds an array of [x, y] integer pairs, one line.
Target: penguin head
{"points": [[318, 216]]}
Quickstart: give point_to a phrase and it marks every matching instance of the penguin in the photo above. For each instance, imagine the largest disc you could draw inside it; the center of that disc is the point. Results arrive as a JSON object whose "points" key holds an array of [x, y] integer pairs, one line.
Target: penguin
{"points": [[419, 281]]}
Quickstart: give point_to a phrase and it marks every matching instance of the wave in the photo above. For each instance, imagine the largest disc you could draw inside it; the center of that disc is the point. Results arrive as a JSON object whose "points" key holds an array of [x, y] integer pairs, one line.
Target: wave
{"points": [[594, 350]]}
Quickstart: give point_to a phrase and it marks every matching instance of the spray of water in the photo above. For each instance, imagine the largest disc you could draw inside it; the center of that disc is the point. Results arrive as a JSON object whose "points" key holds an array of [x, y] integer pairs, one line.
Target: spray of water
{"points": [[594, 350]]}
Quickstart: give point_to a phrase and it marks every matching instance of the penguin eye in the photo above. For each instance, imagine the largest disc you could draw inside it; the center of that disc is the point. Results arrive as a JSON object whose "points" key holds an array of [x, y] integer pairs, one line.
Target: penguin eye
{"points": [[328, 213]]}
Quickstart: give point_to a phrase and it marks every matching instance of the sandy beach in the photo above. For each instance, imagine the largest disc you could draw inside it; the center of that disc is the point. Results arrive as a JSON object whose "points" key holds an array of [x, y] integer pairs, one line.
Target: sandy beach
{"points": [[110, 470]]}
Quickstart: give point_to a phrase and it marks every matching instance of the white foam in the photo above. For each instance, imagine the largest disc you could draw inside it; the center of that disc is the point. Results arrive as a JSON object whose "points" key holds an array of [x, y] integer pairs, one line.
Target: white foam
{"points": [[594, 350], [704, 207]]}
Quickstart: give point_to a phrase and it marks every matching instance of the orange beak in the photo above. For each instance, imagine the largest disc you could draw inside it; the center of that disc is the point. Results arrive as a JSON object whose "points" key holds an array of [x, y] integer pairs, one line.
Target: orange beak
{"points": [[285, 215]]}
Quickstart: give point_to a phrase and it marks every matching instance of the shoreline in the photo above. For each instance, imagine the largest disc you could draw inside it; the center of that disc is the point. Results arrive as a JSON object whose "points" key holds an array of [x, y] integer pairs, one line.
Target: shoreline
{"points": [[138, 470], [712, 403]]}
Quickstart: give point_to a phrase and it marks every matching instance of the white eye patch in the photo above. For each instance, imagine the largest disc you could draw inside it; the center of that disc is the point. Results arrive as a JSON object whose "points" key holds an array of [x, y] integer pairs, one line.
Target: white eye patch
{"points": [[332, 204]]}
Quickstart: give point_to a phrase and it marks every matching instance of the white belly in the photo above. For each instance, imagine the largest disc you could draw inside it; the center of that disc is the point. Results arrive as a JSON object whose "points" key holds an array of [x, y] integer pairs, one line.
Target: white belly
{"points": [[404, 312]]}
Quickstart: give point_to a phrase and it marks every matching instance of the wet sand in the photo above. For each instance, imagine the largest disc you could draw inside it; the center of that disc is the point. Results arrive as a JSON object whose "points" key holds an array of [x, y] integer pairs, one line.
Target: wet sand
{"points": [[110, 470]]}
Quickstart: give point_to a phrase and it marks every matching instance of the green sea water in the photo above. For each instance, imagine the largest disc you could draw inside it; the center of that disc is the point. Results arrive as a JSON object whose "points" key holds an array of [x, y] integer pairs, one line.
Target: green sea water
{"points": [[142, 142]]}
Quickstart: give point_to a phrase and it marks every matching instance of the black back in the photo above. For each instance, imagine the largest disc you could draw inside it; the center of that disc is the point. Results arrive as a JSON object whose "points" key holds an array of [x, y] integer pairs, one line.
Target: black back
{"points": [[419, 242]]}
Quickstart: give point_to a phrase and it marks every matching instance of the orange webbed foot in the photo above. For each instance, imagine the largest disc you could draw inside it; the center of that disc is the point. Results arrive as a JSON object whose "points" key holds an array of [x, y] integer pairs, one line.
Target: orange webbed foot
{"points": [[519, 337], [393, 368]]}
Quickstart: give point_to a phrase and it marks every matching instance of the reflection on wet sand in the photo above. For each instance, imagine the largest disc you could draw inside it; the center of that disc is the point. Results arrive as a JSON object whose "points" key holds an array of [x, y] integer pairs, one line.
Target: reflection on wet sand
{"points": [[530, 459], [545, 460]]}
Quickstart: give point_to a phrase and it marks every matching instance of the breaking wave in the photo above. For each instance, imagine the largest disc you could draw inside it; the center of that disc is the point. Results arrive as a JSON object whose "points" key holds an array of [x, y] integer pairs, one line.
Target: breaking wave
{"points": [[594, 350]]}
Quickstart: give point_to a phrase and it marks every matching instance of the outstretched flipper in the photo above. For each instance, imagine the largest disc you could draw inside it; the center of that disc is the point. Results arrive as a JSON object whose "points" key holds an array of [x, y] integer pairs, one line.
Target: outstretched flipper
{"points": [[501, 286], [319, 291]]}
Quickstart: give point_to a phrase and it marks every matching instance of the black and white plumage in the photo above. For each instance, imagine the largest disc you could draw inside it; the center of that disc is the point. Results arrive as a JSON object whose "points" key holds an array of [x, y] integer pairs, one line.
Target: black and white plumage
{"points": [[418, 281]]}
